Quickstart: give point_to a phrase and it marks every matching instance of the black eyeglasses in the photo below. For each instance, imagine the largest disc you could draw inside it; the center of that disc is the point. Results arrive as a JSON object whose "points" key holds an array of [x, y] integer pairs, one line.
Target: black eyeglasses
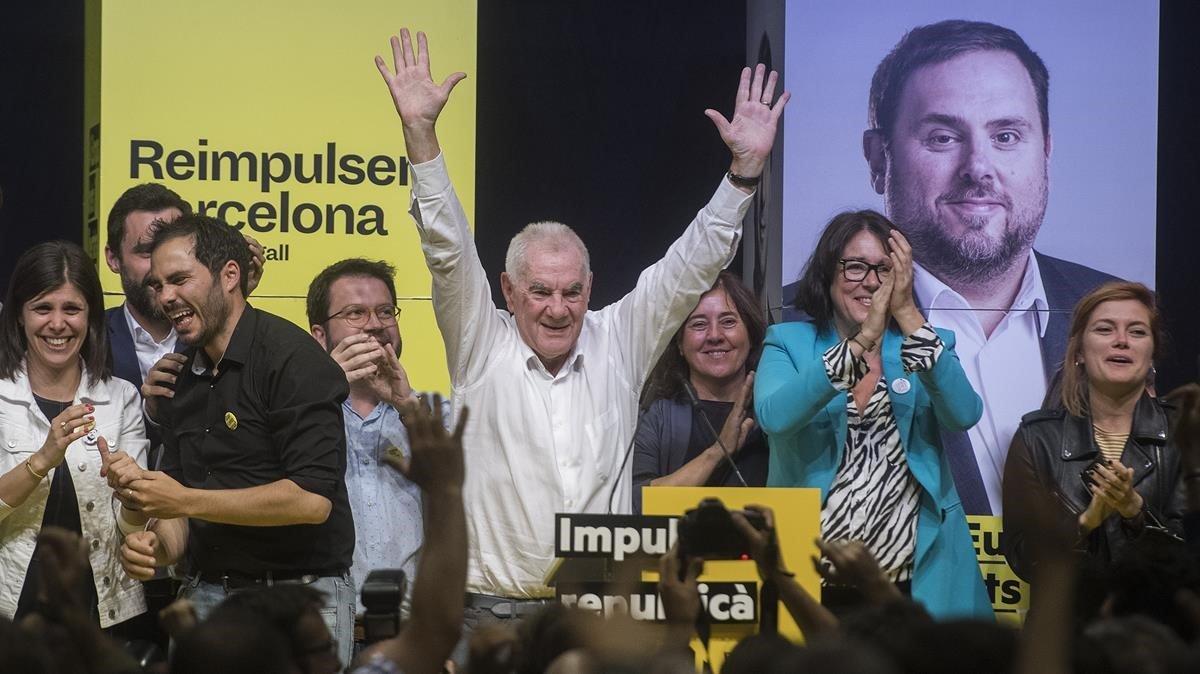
{"points": [[857, 270], [357, 316]]}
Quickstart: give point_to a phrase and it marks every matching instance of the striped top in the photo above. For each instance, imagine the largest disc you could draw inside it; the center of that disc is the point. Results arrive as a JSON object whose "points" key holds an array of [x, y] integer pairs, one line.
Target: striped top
{"points": [[1112, 445], [874, 496]]}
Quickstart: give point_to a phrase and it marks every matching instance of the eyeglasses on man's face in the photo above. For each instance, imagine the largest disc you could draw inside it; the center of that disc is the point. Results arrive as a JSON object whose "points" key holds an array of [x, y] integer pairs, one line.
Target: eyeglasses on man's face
{"points": [[857, 270], [356, 316]]}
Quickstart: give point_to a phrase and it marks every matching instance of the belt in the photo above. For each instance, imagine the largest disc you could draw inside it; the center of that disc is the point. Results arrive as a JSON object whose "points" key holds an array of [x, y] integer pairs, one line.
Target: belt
{"points": [[505, 607], [238, 580]]}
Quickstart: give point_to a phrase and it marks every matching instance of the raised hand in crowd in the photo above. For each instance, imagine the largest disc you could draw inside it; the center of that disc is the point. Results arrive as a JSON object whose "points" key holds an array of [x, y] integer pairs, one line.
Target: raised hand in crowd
{"points": [[64, 621], [809, 614], [680, 595], [436, 461], [418, 99], [751, 133], [160, 382], [366, 361], [1045, 643], [178, 617], [903, 303], [851, 563], [436, 465]]}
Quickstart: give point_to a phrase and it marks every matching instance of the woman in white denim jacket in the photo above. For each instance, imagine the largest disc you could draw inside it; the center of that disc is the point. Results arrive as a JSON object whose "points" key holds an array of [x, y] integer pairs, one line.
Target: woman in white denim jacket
{"points": [[54, 359]]}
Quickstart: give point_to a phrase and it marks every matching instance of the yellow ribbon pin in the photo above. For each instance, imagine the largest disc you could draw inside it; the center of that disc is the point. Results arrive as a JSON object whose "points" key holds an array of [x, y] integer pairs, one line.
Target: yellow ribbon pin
{"points": [[230, 421]]}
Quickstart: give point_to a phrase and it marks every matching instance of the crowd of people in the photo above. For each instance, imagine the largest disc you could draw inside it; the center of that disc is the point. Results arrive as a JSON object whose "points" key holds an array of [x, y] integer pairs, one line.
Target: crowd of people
{"points": [[190, 483]]}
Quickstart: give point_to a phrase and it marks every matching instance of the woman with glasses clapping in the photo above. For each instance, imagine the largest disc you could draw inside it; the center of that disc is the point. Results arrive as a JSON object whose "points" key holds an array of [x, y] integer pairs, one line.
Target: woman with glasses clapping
{"points": [[853, 401]]}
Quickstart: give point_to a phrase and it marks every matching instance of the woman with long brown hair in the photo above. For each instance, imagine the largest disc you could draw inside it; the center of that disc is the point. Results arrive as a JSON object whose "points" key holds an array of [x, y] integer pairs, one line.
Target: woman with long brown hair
{"points": [[1106, 454]]}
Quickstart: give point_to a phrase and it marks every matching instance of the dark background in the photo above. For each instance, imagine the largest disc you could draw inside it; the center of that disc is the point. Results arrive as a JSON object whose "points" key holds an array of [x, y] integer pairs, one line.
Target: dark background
{"points": [[590, 113]]}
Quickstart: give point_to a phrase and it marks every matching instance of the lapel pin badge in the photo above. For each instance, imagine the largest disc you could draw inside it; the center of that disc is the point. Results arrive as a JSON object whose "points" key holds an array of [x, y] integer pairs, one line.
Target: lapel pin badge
{"points": [[901, 385], [230, 421]]}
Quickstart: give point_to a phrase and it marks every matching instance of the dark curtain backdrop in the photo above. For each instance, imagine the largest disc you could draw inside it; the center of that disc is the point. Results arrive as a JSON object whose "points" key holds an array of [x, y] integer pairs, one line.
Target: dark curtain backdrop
{"points": [[590, 113]]}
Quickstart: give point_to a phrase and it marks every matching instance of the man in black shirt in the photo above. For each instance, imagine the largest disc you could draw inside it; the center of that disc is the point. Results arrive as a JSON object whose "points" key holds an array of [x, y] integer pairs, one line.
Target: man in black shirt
{"points": [[252, 482]]}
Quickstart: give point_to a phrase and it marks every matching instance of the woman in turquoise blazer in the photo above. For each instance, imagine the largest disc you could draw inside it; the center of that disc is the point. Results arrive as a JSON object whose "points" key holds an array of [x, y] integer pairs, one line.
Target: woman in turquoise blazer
{"points": [[867, 341]]}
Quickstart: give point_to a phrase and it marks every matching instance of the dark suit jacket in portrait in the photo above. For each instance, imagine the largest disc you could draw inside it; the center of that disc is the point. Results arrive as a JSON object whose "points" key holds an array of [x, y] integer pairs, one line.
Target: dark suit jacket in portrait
{"points": [[125, 366]]}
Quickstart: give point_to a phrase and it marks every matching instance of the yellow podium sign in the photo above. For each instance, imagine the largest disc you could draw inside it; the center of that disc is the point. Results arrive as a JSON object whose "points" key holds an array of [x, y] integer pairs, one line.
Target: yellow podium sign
{"points": [[797, 524], [1009, 594]]}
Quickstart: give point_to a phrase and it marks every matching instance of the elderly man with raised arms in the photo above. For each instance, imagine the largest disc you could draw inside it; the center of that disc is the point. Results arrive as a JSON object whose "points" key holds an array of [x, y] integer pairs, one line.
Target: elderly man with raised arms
{"points": [[553, 386]]}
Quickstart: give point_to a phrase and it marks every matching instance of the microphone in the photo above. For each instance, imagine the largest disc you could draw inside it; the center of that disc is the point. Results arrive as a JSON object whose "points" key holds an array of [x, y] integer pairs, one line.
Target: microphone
{"points": [[695, 402], [621, 471]]}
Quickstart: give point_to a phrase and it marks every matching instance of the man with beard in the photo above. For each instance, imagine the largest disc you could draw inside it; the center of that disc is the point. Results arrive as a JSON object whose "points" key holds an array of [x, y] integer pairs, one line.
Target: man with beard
{"points": [[959, 147], [251, 486], [353, 315], [138, 332]]}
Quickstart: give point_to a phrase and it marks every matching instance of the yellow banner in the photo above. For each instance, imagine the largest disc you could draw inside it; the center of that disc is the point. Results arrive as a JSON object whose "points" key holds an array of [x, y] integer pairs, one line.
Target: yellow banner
{"points": [[272, 116], [1009, 594]]}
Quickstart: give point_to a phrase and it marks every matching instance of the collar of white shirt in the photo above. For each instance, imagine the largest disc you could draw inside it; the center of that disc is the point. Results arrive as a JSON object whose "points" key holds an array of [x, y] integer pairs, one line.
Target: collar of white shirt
{"points": [[140, 334], [574, 359], [934, 295]]}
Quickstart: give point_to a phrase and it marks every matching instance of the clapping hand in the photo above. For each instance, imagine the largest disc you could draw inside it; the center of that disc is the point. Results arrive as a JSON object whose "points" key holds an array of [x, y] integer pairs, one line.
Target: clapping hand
{"points": [[367, 362], [738, 425], [877, 315], [903, 304], [1112, 492]]}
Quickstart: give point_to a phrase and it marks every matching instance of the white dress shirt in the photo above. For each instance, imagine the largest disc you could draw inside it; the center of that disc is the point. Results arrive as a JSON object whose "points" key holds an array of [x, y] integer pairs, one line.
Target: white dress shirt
{"points": [[1005, 368], [539, 444], [147, 349]]}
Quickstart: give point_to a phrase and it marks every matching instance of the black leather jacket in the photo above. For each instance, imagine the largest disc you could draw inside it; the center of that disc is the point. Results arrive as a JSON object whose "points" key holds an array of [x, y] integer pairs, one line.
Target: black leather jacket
{"points": [[1050, 450]]}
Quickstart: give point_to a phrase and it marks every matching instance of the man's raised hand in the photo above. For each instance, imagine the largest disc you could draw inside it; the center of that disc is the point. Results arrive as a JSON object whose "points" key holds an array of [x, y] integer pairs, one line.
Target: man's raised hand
{"points": [[751, 133], [436, 463], [418, 99]]}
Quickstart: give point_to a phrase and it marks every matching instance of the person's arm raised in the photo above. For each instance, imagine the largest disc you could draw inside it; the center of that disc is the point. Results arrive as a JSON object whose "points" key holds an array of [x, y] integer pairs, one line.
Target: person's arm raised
{"points": [[750, 135], [436, 466], [419, 100], [809, 614]]}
